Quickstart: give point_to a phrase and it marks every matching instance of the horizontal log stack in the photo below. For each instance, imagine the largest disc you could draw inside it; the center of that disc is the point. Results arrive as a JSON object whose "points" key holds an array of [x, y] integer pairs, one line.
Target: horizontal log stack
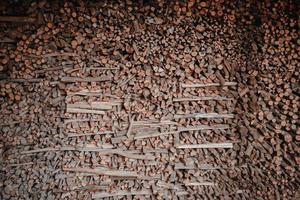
{"points": [[150, 100]]}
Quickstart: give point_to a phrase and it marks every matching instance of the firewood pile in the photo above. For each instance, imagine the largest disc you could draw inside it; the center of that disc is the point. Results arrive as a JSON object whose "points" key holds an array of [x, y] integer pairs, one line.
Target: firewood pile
{"points": [[150, 100]]}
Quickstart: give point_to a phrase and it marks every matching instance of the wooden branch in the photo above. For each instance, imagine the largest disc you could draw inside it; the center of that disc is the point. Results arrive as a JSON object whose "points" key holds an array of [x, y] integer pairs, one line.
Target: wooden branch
{"points": [[33, 80], [7, 40], [24, 164], [91, 68], [117, 152], [86, 111], [130, 126], [40, 71], [23, 19], [101, 195], [199, 184], [86, 79], [143, 136], [81, 120], [55, 54], [108, 172], [207, 98], [154, 123], [183, 85], [94, 105], [206, 146], [204, 115], [89, 134], [40, 150], [204, 127]]}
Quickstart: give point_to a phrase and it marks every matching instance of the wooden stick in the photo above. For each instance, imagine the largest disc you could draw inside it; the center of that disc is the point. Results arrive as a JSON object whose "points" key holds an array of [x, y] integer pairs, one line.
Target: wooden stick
{"points": [[55, 54], [7, 40], [23, 19], [40, 71], [94, 105], [154, 123], [121, 193], [204, 127], [24, 164], [208, 98], [10, 123], [33, 80], [108, 172], [199, 184], [86, 79], [92, 68], [116, 151], [143, 136], [81, 120], [105, 172], [131, 119], [206, 146], [204, 115], [89, 134], [40, 150], [183, 85], [86, 111]]}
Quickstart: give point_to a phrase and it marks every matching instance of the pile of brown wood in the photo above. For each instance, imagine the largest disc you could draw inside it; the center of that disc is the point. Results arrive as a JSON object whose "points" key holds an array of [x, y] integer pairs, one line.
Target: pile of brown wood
{"points": [[165, 100]]}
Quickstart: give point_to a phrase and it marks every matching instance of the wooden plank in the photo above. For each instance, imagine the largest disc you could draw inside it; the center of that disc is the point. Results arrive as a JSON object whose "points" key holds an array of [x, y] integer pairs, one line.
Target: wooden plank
{"points": [[199, 85], [204, 115], [206, 146]]}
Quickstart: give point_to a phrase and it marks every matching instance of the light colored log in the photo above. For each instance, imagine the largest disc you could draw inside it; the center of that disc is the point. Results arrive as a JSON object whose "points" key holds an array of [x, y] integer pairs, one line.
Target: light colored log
{"points": [[103, 105], [199, 184], [199, 85], [157, 134], [204, 115], [204, 127], [85, 111], [207, 98], [206, 146]]}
